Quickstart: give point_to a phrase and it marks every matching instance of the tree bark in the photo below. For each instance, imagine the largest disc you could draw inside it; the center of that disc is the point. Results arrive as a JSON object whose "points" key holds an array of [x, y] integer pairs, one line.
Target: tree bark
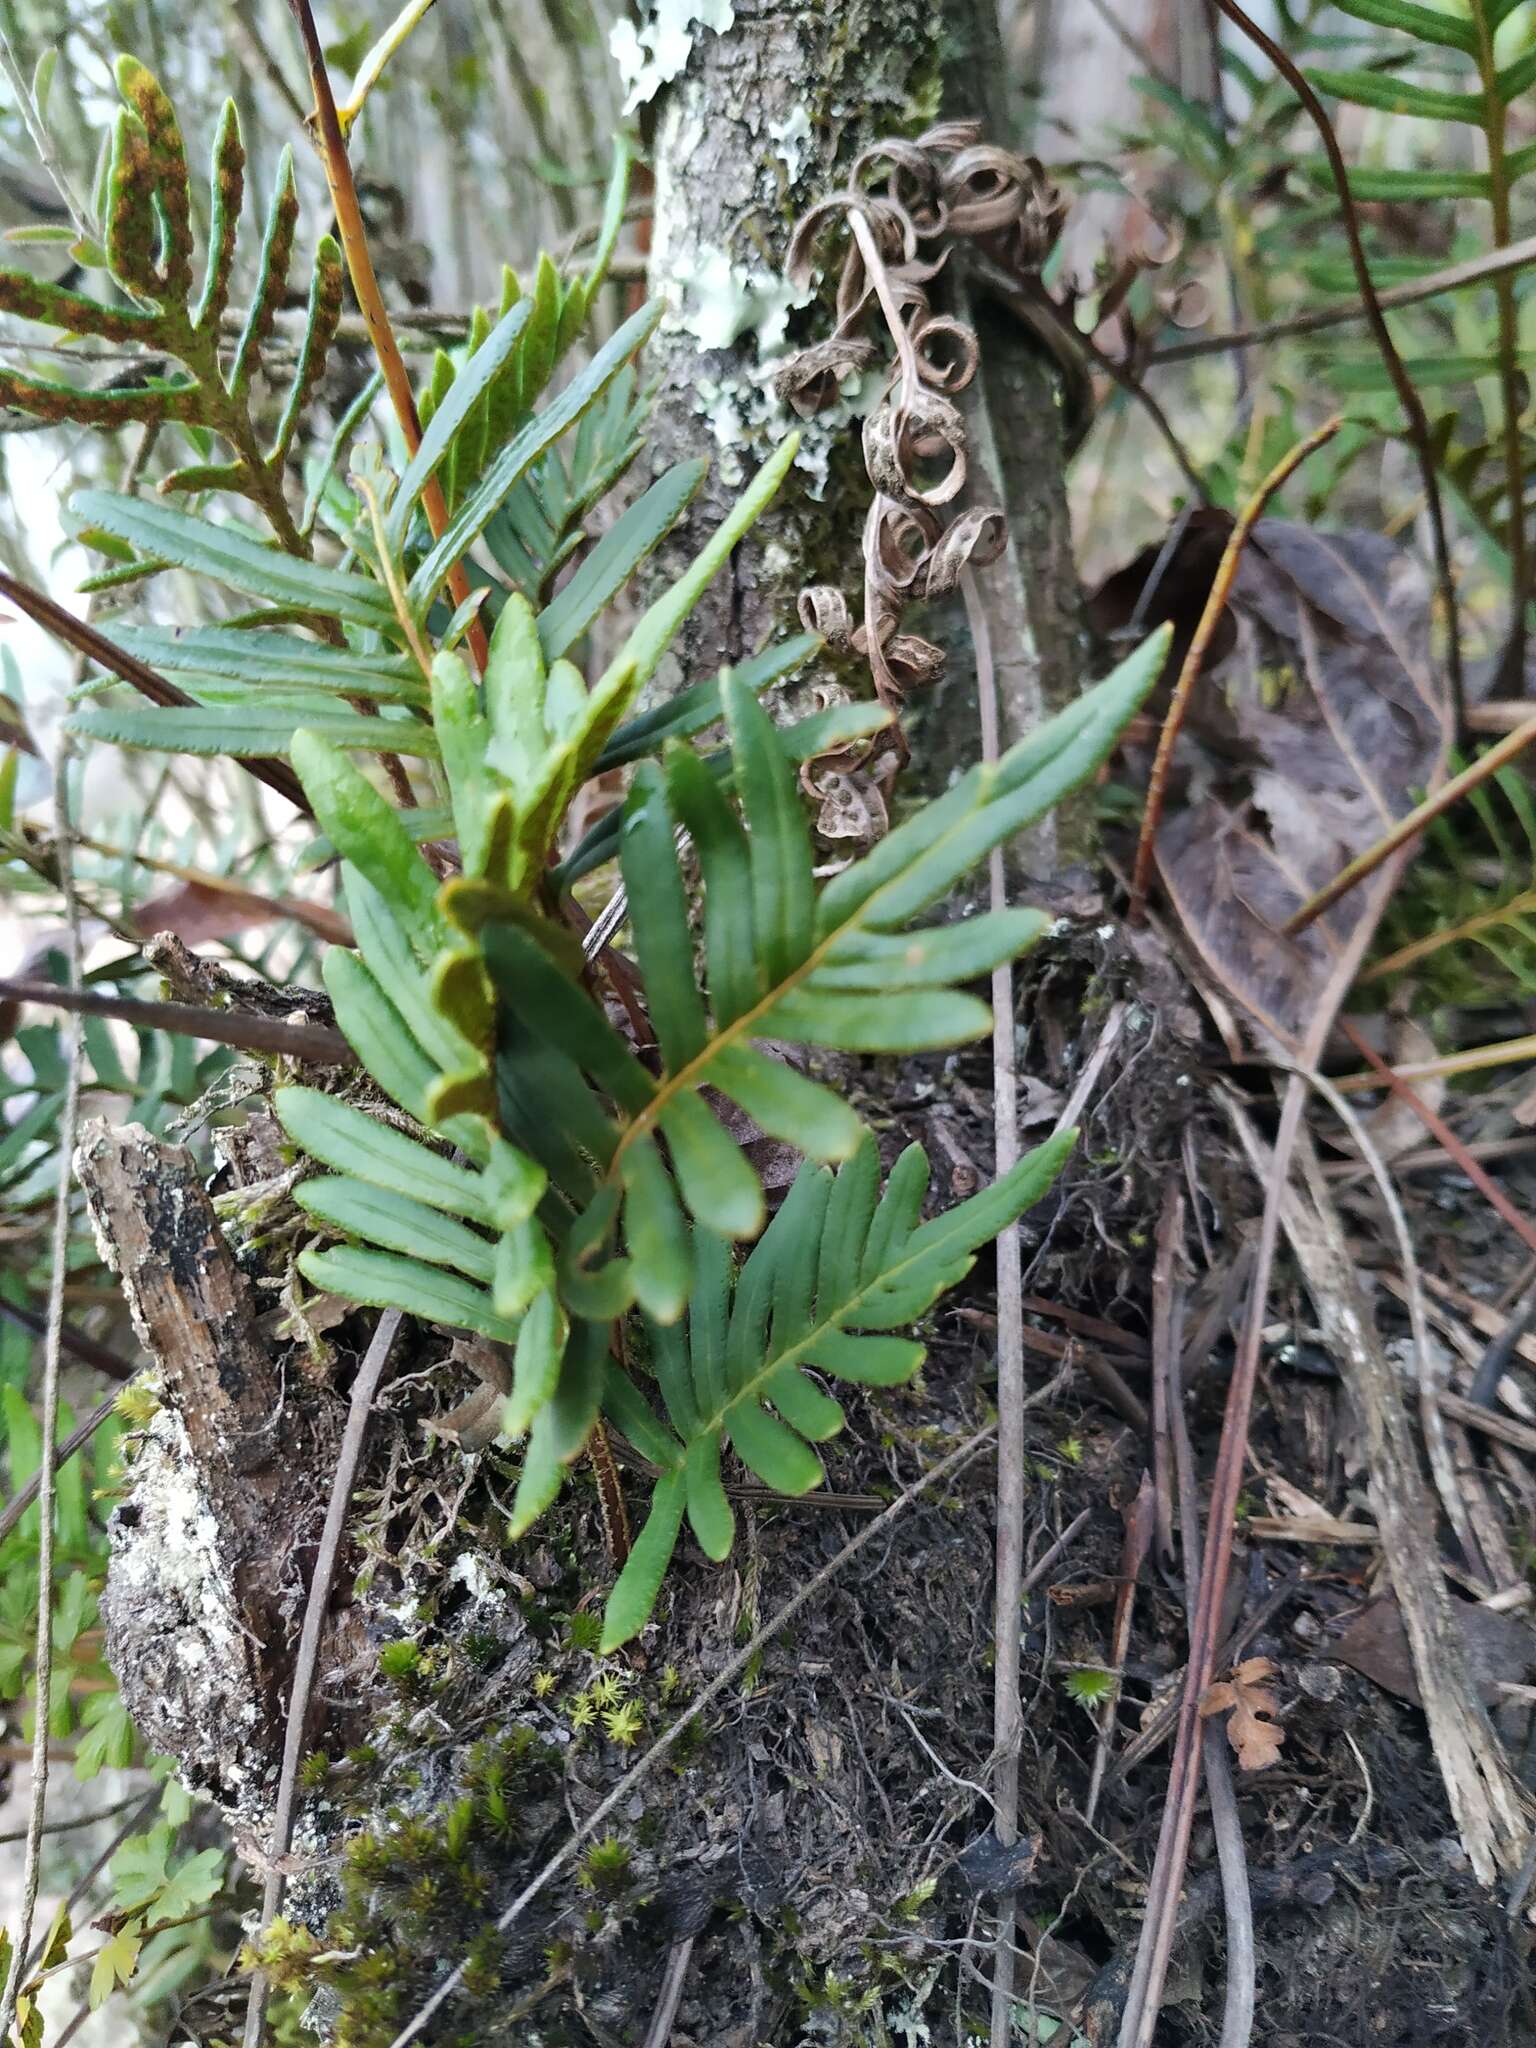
{"points": [[767, 118]]}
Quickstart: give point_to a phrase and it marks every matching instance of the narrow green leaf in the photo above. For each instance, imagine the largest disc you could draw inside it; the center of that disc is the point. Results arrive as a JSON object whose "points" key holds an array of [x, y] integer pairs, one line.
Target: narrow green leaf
{"points": [[917, 1020], [846, 1225], [390, 958], [350, 1142], [386, 1218], [634, 1593], [367, 831], [656, 1233], [866, 1361], [670, 1363], [376, 1032], [627, 543], [771, 1450], [977, 1220], [469, 386], [716, 1177], [537, 359], [253, 732], [1397, 187], [783, 889], [900, 1211], [709, 1316], [525, 1268], [725, 865], [1427, 372], [709, 1512], [515, 684], [658, 912], [514, 1185], [386, 1280], [593, 1285], [787, 1104], [935, 957], [803, 1405], [279, 659], [562, 1426], [562, 1014], [1393, 95], [536, 1364], [921, 860], [1425, 24], [518, 456], [612, 222], [236, 555], [636, 661], [1518, 76], [464, 735], [693, 709], [626, 1406]]}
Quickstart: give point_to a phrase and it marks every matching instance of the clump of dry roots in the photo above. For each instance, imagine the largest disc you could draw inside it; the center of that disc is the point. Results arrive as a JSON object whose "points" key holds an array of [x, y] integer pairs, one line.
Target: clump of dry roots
{"points": [[906, 205]]}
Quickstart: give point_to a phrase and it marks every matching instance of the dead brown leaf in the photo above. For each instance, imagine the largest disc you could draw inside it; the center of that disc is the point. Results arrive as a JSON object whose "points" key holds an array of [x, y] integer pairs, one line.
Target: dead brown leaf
{"points": [[1252, 1731], [1340, 722]]}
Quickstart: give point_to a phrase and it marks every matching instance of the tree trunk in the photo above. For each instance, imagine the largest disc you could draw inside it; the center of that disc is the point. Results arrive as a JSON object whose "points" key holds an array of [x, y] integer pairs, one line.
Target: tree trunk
{"points": [[766, 119]]}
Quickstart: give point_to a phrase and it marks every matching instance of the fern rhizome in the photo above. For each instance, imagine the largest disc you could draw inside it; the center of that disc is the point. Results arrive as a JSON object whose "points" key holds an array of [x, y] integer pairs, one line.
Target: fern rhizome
{"points": [[531, 1161]]}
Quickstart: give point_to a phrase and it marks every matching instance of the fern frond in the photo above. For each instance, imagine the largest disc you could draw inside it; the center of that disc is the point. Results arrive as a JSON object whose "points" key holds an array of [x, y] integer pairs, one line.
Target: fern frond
{"points": [[833, 1274], [846, 969]]}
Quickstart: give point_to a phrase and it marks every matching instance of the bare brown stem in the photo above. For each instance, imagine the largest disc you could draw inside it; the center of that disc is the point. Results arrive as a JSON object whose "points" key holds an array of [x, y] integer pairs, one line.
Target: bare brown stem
{"points": [[1194, 660], [1410, 827], [365, 284], [364, 1387]]}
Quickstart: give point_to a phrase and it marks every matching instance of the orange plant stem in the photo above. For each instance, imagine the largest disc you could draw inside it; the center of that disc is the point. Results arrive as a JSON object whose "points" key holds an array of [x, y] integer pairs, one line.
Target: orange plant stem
{"points": [[365, 284], [1194, 660]]}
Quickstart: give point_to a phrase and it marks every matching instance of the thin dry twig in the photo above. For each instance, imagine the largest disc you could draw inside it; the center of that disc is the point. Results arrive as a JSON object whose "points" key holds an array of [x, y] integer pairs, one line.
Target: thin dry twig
{"points": [[1402, 383], [1455, 277], [63, 626], [1194, 660], [1161, 1918], [1231, 1857], [81, 1434], [659, 2032], [49, 1416], [1441, 1464], [1484, 1182], [728, 1673], [242, 1028], [1007, 1706], [359, 1408], [1139, 1521], [1497, 757]]}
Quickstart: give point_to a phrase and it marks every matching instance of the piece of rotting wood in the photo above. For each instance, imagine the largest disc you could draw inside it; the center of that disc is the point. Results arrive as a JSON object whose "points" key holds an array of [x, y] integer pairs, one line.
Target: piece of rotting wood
{"points": [[205, 1564]]}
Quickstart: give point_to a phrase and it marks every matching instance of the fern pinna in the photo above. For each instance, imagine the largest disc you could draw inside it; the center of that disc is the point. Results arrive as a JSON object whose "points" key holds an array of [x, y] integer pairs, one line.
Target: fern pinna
{"points": [[565, 1188]]}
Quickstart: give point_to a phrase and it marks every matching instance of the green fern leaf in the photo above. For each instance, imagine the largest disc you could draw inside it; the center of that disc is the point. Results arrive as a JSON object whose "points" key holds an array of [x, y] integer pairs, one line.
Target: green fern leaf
{"points": [[831, 1268], [781, 962]]}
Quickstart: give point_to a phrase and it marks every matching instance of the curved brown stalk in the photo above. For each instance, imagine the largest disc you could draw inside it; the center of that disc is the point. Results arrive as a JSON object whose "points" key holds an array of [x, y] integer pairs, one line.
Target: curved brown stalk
{"points": [[1194, 660]]}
